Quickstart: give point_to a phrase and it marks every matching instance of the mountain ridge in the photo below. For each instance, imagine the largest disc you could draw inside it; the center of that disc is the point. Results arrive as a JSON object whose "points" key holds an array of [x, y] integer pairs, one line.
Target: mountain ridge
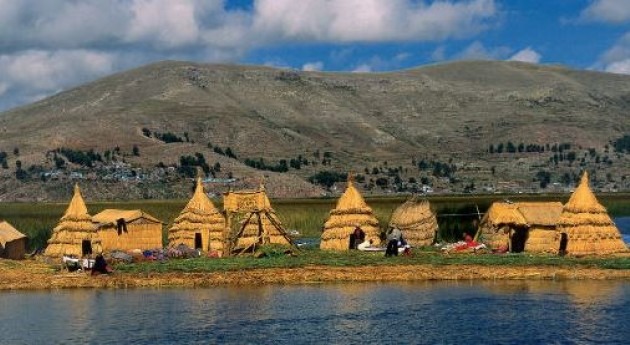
{"points": [[451, 111]]}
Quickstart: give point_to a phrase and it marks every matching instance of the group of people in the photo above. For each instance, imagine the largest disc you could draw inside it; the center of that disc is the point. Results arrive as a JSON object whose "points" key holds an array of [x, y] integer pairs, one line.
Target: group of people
{"points": [[394, 241]]}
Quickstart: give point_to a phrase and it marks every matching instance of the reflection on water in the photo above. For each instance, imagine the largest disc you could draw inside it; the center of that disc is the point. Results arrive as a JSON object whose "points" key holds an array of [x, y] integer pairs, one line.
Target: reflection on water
{"points": [[512, 312]]}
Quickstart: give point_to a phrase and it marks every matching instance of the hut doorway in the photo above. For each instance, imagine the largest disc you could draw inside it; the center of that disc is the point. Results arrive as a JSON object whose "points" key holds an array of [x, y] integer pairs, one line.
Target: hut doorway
{"points": [[519, 237], [564, 241], [86, 247], [198, 244]]}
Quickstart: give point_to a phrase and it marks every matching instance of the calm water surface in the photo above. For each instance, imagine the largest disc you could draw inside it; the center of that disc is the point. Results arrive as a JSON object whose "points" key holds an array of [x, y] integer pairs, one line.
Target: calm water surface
{"points": [[520, 312]]}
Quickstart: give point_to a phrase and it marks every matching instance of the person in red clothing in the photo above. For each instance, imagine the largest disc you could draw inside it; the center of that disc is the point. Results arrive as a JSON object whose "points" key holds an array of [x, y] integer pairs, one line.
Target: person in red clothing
{"points": [[470, 242]]}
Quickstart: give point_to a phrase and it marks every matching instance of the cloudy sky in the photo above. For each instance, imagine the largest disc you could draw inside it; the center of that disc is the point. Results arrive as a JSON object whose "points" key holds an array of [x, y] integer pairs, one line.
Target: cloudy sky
{"points": [[52, 45]]}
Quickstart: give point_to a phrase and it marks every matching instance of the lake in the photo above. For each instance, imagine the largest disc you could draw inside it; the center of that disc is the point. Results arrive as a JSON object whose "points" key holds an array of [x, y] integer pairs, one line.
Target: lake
{"points": [[506, 312]]}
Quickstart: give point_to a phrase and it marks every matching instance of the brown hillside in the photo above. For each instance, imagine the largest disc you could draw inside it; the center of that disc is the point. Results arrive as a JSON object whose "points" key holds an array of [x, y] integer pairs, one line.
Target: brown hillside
{"points": [[448, 110]]}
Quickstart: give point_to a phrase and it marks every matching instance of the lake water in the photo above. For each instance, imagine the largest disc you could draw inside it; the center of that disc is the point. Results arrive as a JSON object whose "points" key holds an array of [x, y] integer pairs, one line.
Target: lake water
{"points": [[515, 312], [623, 223]]}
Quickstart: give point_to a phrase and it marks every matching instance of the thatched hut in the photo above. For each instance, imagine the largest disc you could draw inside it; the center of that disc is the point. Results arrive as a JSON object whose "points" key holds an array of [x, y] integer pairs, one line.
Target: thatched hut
{"points": [[75, 234], [200, 225], [521, 226], [586, 226], [351, 211], [252, 221], [12, 242], [417, 222], [127, 230]]}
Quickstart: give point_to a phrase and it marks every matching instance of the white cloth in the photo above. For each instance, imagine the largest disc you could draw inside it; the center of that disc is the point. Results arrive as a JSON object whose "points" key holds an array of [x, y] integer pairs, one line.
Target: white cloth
{"points": [[364, 245]]}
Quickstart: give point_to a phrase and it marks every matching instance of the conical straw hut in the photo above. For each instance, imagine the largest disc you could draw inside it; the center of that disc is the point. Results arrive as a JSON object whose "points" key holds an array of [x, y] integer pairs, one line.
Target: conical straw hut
{"points": [[417, 222], [75, 234], [200, 225], [252, 221], [587, 225], [351, 211]]}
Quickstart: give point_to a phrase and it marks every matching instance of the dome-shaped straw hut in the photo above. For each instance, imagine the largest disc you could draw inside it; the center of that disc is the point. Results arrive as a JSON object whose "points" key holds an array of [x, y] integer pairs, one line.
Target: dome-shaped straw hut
{"points": [[200, 225], [351, 211], [417, 222], [585, 226], [521, 226], [75, 234]]}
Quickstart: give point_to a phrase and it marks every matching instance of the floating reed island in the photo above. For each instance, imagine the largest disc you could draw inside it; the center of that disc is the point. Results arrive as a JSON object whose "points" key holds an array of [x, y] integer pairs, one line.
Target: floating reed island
{"points": [[248, 223]]}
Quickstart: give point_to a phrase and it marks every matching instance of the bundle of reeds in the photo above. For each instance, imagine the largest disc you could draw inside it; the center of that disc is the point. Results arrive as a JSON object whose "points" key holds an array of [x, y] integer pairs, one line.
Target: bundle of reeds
{"points": [[351, 212], [199, 216], [417, 222], [74, 227], [589, 228]]}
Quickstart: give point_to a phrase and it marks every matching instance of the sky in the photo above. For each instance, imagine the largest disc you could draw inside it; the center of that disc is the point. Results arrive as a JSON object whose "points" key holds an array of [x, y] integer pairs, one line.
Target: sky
{"points": [[53, 45]]}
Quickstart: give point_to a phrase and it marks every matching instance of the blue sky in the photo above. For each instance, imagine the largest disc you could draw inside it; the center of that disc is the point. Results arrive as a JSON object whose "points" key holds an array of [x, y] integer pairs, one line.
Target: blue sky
{"points": [[49, 46]]}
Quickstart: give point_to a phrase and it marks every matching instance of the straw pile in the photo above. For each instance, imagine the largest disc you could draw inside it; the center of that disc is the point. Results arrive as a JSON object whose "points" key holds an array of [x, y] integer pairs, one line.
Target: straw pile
{"points": [[351, 211], [586, 222], [252, 219], [417, 222], [74, 227], [143, 230], [199, 216]]}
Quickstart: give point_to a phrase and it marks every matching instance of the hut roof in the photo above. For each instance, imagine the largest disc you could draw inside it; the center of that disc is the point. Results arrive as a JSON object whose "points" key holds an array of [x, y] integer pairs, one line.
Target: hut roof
{"points": [[583, 199], [351, 199], [525, 213], [8, 233], [247, 201], [540, 213], [505, 213], [200, 201], [110, 216], [76, 209]]}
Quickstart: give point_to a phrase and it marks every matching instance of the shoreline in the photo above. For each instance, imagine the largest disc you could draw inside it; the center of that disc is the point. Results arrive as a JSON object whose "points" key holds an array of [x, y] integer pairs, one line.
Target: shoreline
{"points": [[36, 276]]}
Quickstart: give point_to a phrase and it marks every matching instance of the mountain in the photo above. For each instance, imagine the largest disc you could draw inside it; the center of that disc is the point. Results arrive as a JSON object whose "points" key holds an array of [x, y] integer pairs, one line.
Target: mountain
{"points": [[445, 115]]}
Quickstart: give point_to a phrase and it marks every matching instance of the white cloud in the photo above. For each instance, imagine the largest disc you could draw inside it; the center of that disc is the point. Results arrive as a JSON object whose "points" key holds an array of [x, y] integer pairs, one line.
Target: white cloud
{"points": [[3, 88], [617, 58], [36, 72], [362, 68], [610, 11], [439, 54], [477, 51], [47, 46], [620, 67], [313, 66], [526, 55], [371, 20]]}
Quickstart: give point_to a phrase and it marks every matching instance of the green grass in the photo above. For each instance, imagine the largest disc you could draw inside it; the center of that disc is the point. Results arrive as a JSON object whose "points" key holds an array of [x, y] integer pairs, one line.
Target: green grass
{"points": [[355, 258]]}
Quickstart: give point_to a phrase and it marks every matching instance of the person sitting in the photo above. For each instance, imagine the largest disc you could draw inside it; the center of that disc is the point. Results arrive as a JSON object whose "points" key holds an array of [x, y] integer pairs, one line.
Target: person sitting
{"points": [[393, 237], [101, 266], [365, 245], [359, 236]]}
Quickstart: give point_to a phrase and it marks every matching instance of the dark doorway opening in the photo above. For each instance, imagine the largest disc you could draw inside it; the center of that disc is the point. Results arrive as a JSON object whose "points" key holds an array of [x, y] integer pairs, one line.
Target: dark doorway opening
{"points": [[198, 244], [564, 241], [86, 247], [519, 238]]}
